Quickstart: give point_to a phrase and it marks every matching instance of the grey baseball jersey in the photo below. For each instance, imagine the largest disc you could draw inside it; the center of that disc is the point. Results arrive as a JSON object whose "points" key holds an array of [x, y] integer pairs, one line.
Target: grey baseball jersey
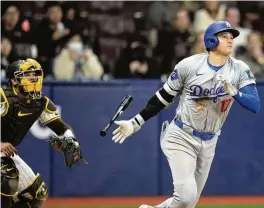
{"points": [[204, 104]]}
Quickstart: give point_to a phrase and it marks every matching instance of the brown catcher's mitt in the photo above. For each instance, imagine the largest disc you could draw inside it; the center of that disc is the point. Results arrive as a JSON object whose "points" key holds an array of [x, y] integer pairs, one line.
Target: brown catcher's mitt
{"points": [[70, 148]]}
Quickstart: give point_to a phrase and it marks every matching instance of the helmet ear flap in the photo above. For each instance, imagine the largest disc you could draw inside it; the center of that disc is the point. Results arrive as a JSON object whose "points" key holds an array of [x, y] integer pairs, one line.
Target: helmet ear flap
{"points": [[210, 41]]}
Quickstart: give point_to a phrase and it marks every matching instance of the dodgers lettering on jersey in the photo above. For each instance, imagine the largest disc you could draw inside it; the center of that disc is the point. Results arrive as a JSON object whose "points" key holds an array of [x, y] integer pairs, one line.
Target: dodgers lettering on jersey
{"points": [[204, 104]]}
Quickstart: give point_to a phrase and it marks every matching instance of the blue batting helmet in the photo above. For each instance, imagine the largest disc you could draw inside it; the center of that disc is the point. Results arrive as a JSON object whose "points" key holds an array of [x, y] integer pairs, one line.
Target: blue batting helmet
{"points": [[210, 38]]}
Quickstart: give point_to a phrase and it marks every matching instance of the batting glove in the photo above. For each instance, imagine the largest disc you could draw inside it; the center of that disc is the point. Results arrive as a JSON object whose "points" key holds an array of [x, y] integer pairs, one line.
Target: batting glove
{"points": [[127, 128], [229, 88]]}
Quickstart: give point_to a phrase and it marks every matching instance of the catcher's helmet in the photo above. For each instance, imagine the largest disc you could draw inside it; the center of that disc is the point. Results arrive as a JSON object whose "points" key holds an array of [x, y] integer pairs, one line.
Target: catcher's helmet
{"points": [[210, 38], [28, 74]]}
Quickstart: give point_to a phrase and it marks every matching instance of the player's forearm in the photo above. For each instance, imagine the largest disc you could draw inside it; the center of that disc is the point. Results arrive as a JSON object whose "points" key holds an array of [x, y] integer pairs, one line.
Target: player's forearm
{"points": [[152, 108], [60, 127], [248, 98], [155, 104]]}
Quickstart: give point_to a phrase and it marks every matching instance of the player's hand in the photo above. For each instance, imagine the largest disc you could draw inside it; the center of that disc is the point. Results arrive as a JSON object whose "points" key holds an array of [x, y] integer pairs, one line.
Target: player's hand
{"points": [[124, 130], [229, 88], [8, 149], [127, 128]]}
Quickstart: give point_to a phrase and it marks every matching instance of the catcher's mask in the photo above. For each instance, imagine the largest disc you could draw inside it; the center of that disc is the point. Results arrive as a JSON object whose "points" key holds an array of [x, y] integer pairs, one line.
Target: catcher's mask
{"points": [[29, 76]]}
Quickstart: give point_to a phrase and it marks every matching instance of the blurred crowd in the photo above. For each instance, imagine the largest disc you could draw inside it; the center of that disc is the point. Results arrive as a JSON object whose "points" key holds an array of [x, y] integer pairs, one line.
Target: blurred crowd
{"points": [[116, 40]]}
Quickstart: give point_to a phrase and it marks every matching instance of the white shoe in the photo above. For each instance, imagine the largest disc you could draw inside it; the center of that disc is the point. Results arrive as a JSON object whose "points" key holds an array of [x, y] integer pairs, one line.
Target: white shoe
{"points": [[145, 206]]}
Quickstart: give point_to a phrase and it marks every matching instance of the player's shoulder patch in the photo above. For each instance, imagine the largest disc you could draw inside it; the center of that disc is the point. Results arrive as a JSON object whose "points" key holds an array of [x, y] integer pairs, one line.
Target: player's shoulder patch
{"points": [[244, 68], [174, 74], [250, 75], [50, 107]]}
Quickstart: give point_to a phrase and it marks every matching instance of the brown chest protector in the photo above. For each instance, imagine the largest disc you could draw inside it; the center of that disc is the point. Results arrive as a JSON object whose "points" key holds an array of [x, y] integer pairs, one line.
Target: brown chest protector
{"points": [[21, 115]]}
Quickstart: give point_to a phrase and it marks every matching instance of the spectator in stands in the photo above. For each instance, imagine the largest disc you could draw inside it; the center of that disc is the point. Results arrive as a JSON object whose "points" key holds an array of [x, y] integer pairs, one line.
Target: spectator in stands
{"points": [[133, 62], [77, 62], [52, 35], [254, 55], [250, 14], [232, 15], [161, 13], [91, 35], [211, 12], [71, 16], [81, 23], [175, 42], [198, 46], [192, 7], [8, 52], [17, 29]]}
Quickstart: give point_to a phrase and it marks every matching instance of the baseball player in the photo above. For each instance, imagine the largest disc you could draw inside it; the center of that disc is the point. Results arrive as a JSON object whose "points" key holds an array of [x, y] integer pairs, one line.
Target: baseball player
{"points": [[22, 103], [207, 85]]}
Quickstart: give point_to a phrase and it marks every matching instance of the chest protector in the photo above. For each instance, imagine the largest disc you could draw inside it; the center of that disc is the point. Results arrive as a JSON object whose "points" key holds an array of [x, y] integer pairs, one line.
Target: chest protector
{"points": [[20, 115]]}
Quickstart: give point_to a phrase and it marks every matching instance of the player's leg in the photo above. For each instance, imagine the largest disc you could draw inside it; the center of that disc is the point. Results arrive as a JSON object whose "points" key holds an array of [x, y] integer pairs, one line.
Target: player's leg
{"points": [[9, 181], [32, 191], [168, 201], [180, 150], [203, 166], [182, 166]]}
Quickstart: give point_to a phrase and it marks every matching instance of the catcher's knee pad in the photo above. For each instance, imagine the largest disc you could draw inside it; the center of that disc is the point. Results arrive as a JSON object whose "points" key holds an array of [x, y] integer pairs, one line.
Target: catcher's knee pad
{"points": [[9, 181], [9, 177], [34, 195]]}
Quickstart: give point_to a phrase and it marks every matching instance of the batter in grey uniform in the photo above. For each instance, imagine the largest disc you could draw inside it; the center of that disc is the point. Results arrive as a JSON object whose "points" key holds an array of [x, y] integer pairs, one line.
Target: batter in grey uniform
{"points": [[207, 85]]}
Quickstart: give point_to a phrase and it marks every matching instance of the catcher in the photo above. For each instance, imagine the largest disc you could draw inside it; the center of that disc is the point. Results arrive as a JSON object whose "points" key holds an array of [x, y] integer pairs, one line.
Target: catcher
{"points": [[22, 103]]}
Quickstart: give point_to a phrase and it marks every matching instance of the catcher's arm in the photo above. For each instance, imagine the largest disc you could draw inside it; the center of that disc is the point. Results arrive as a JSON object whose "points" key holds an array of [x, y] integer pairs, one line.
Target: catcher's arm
{"points": [[65, 141]]}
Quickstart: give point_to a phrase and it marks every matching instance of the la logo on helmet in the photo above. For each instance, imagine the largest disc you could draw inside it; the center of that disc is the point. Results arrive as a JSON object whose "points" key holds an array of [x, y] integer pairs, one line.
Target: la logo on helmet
{"points": [[227, 24]]}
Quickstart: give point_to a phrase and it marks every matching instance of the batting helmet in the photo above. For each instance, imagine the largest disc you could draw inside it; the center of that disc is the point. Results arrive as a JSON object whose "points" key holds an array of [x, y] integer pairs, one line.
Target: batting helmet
{"points": [[210, 38]]}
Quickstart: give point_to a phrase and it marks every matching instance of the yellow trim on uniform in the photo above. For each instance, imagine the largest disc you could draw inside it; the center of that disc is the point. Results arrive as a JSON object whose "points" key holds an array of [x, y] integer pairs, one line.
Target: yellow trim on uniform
{"points": [[12, 176], [7, 194], [3, 166], [46, 107], [14, 90], [46, 191], [4, 96], [53, 119], [39, 190], [33, 181], [4, 102]]}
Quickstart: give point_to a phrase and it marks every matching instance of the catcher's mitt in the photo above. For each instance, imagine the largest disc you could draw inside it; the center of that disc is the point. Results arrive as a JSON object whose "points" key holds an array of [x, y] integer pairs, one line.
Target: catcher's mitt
{"points": [[70, 148]]}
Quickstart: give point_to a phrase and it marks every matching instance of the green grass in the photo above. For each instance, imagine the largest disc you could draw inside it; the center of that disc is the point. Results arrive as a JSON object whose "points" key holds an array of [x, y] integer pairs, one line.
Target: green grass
{"points": [[238, 206]]}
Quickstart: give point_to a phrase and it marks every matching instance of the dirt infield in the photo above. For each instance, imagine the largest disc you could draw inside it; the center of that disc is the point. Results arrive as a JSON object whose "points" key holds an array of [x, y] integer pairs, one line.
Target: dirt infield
{"points": [[135, 201]]}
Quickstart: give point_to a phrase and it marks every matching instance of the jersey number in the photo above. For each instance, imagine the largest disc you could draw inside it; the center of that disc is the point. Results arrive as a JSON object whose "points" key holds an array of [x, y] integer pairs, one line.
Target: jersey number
{"points": [[225, 104]]}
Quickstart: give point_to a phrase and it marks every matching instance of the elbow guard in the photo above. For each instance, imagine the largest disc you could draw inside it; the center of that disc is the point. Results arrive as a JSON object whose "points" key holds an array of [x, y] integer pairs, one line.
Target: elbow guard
{"points": [[156, 103]]}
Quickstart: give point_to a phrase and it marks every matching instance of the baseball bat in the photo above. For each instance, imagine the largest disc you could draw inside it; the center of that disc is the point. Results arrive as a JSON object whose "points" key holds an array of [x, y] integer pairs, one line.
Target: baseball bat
{"points": [[120, 109]]}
